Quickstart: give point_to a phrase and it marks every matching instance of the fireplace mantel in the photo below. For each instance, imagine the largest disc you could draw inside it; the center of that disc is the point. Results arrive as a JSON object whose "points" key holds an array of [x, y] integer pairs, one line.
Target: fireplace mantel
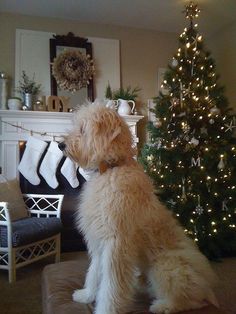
{"points": [[55, 124]]}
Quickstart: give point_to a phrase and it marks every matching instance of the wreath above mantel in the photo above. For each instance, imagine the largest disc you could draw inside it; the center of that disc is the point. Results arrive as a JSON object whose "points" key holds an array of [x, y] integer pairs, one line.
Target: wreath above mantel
{"points": [[72, 70]]}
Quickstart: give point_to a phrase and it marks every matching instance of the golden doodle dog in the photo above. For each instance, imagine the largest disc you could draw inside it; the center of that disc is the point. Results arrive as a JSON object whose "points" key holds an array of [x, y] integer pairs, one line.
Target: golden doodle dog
{"points": [[126, 228]]}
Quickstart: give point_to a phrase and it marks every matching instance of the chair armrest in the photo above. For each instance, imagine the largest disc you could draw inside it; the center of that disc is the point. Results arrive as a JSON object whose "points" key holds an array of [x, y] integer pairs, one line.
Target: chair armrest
{"points": [[5, 221], [44, 205], [4, 213]]}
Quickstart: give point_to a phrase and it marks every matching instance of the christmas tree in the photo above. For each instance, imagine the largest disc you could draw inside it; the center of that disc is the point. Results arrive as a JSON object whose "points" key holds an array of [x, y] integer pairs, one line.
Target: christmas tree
{"points": [[191, 152]]}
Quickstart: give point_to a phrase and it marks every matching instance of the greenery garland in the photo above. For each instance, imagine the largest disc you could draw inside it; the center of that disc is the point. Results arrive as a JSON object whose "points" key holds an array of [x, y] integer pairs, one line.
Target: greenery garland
{"points": [[72, 70]]}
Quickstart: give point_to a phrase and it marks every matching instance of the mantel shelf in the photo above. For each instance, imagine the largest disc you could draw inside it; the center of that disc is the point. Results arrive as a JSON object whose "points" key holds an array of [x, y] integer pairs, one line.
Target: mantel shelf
{"points": [[54, 115]]}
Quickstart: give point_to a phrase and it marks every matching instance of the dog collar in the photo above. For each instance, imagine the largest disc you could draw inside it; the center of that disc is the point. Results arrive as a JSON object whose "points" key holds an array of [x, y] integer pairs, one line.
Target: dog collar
{"points": [[104, 165]]}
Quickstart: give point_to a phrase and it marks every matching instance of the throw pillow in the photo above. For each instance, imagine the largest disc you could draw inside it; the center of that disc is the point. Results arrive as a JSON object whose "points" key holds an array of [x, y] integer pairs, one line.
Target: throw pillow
{"points": [[10, 192]]}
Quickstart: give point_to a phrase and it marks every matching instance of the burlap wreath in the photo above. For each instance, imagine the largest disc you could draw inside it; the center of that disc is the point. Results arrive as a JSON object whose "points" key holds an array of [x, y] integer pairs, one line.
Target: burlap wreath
{"points": [[72, 70]]}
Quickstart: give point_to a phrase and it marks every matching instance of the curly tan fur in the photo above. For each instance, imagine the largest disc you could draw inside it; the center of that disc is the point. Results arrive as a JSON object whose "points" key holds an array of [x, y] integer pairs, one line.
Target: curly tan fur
{"points": [[126, 227]]}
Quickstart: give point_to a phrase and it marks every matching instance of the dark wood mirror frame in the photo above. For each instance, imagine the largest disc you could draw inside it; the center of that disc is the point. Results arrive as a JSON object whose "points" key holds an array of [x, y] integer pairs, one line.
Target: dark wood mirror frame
{"points": [[69, 40]]}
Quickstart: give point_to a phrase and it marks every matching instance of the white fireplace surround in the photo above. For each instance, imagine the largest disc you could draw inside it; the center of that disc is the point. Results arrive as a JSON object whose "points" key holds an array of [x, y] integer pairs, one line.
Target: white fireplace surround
{"points": [[56, 124]]}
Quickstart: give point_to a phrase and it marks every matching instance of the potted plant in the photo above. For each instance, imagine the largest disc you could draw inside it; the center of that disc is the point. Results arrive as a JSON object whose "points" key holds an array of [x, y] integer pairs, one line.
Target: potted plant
{"points": [[14, 103], [29, 89]]}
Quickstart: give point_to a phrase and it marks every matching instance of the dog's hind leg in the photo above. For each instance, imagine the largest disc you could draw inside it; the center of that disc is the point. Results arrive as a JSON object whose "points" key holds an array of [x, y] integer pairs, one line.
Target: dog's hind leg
{"points": [[115, 290], [177, 287], [88, 294]]}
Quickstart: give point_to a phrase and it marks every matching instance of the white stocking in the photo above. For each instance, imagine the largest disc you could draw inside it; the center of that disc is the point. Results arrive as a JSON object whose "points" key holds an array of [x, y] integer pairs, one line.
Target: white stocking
{"points": [[68, 170], [50, 163], [29, 162]]}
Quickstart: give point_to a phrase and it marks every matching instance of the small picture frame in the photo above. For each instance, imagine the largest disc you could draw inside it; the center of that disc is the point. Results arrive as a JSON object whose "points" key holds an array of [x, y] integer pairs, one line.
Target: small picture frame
{"points": [[160, 79]]}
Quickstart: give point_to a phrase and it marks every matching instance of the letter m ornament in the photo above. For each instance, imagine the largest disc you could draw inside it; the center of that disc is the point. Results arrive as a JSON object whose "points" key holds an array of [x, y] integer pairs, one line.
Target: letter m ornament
{"points": [[196, 162]]}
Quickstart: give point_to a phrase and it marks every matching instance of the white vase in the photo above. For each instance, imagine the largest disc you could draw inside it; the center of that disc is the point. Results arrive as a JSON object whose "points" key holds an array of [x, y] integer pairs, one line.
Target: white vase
{"points": [[110, 103], [124, 107]]}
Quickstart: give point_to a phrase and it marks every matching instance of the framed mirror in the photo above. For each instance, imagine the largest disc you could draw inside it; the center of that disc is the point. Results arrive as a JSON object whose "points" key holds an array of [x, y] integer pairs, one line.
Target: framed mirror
{"points": [[58, 44]]}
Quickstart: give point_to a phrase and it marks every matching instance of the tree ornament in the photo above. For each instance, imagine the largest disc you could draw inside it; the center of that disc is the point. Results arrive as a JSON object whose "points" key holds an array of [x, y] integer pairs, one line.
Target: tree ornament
{"points": [[208, 186], [183, 197], [174, 102], [196, 162], [186, 91], [231, 125], [214, 110], [150, 157], [181, 94], [157, 123], [185, 127], [182, 114], [171, 202], [211, 121], [224, 206], [194, 141], [199, 209], [221, 164], [157, 144], [203, 130], [174, 62]]}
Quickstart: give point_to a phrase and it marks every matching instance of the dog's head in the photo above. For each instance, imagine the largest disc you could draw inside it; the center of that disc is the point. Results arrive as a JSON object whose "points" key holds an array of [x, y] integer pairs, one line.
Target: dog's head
{"points": [[99, 135]]}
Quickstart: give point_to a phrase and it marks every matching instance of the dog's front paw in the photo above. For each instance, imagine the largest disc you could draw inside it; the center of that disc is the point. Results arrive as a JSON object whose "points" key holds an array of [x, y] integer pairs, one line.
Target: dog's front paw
{"points": [[82, 296], [161, 307]]}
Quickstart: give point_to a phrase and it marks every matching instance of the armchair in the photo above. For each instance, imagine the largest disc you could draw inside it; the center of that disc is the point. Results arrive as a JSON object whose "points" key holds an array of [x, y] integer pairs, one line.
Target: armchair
{"points": [[33, 237]]}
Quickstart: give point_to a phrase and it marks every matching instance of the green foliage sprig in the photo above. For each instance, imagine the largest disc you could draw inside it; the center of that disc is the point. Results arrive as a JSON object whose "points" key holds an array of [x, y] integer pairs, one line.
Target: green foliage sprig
{"points": [[28, 85], [126, 93]]}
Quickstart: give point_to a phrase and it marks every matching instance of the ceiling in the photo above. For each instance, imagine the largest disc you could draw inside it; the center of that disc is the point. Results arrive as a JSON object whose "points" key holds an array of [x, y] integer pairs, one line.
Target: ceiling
{"points": [[160, 15]]}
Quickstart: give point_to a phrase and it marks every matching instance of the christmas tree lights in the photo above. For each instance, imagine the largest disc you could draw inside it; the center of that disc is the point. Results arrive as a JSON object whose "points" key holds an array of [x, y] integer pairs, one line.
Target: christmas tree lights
{"points": [[191, 155]]}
